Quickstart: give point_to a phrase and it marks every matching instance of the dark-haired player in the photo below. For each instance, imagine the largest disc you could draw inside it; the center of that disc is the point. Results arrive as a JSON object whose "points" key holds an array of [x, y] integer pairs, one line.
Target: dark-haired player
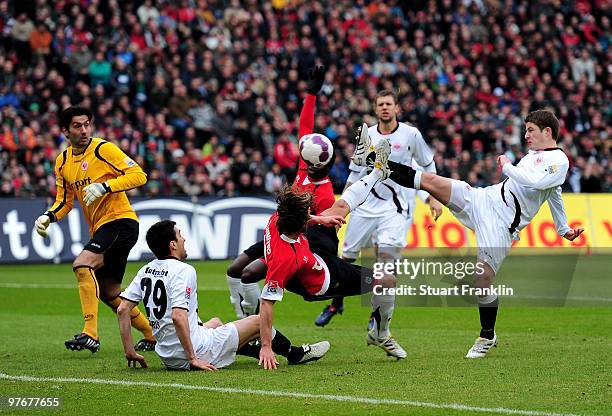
{"points": [[98, 173], [168, 288], [498, 212], [244, 295], [309, 266]]}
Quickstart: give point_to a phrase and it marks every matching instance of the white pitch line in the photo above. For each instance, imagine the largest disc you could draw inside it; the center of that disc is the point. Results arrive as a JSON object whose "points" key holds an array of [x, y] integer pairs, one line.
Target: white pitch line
{"points": [[331, 397]]}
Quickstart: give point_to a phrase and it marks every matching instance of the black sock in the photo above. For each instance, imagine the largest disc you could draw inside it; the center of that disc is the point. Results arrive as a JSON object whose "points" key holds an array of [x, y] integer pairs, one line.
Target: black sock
{"points": [[338, 302], [250, 349], [403, 175], [488, 316], [282, 346]]}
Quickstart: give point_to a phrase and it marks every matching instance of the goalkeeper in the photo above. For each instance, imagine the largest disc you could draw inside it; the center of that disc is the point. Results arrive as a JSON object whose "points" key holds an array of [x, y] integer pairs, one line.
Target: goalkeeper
{"points": [[98, 173]]}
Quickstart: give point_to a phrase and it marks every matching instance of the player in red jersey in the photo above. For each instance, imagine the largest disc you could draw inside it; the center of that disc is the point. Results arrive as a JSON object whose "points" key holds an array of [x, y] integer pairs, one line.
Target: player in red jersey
{"points": [[307, 263], [245, 296]]}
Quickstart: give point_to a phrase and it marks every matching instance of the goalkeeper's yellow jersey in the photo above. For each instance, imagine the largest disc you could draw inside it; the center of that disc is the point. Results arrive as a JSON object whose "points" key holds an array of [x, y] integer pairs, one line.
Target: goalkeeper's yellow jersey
{"points": [[101, 161]]}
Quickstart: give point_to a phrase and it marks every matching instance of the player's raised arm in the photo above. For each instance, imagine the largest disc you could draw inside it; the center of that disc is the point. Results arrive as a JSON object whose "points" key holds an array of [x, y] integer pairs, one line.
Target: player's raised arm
{"points": [[316, 76]]}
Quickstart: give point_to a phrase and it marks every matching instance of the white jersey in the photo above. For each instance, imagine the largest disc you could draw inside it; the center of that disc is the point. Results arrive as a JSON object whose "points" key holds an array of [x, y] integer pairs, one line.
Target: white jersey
{"points": [[535, 179], [407, 145], [163, 285]]}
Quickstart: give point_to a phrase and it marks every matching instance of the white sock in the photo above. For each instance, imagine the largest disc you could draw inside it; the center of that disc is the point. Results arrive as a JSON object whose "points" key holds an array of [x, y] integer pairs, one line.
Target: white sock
{"points": [[382, 306], [357, 193], [250, 300], [417, 179], [236, 295]]}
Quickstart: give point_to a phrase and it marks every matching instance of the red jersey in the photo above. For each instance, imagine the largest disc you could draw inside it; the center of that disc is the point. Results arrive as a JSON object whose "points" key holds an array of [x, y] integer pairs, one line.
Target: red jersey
{"points": [[291, 265], [322, 189]]}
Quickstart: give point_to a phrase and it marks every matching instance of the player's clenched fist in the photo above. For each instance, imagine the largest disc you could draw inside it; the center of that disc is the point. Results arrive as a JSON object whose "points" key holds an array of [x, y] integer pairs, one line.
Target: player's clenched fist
{"points": [[41, 224], [93, 192]]}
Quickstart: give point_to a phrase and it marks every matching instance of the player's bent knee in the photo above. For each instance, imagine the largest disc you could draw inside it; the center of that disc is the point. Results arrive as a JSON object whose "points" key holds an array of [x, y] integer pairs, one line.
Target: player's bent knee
{"points": [[88, 259]]}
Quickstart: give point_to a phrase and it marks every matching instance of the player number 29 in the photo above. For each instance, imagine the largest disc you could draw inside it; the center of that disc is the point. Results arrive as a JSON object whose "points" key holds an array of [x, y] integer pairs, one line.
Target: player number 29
{"points": [[159, 297]]}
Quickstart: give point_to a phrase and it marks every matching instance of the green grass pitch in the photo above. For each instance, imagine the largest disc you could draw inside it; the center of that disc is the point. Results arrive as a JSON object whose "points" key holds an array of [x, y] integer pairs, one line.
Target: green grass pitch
{"points": [[549, 360]]}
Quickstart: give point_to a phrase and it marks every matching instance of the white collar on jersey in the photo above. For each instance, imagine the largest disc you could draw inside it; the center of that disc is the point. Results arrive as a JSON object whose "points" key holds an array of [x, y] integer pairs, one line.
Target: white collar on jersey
{"points": [[307, 181], [289, 240]]}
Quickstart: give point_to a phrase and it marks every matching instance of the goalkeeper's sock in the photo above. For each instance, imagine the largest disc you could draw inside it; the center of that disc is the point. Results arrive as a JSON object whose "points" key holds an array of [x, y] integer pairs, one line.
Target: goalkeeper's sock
{"points": [[487, 308], [89, 294]]}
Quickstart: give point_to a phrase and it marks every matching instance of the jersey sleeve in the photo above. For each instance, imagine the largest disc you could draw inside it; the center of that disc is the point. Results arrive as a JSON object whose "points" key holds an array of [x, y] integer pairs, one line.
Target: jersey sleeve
{"points": [[183, 285], [133, 292], [306, 123], [128, 174], [557, 209], [423, 154], [64, 199], [280, 270], [551, 174]]}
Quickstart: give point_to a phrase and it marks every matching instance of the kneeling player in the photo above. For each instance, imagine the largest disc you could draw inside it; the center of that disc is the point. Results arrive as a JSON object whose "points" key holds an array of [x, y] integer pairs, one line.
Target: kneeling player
{"points": [[168, 288]]}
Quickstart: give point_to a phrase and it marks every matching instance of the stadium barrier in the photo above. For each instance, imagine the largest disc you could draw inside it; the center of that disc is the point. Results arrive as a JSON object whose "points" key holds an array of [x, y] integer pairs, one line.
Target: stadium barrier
{"points": [[220, 228]]}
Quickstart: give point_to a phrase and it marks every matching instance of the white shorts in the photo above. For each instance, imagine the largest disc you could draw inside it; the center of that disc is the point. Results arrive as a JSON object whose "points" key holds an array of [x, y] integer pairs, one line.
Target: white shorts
{"points": [[219, 348], [475, 209], [386, 231]]}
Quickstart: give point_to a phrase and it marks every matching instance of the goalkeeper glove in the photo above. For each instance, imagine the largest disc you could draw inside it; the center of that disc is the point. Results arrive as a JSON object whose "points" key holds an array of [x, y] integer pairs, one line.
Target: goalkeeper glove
{"points": [[94, 191], [316, 77], [41, 224]]}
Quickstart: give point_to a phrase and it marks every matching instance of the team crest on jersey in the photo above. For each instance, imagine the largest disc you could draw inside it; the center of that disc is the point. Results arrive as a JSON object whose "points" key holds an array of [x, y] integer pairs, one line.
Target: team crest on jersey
{"points": [[552, 169], [188, 293], [397, 147], [539, 160], [129, 162], [84, 165], [272, 286]]}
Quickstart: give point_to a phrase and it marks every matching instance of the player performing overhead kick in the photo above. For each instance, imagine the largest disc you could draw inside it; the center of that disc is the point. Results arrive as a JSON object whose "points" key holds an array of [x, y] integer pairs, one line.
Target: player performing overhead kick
{"points": [[308, 264], [244, 296], [498, 212]]}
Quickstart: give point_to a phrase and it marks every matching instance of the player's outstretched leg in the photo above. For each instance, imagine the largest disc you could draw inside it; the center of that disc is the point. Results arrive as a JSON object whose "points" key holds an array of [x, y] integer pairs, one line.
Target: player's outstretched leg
{"points": [[363, 147], [248, 331], [356, 194]]}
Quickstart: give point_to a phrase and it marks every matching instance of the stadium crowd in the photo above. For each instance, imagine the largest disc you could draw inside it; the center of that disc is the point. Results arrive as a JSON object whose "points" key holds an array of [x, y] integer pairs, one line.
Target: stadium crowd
{"points": [[206, 94]]}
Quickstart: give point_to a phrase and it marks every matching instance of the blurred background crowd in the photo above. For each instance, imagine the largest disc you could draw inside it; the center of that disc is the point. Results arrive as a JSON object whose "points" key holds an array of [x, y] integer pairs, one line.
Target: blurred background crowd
{"points": [[205, 94]]}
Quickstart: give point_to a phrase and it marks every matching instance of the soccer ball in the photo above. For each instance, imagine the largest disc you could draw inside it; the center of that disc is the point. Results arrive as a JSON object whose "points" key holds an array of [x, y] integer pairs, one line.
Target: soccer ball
{"points": [[316, 149]]}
